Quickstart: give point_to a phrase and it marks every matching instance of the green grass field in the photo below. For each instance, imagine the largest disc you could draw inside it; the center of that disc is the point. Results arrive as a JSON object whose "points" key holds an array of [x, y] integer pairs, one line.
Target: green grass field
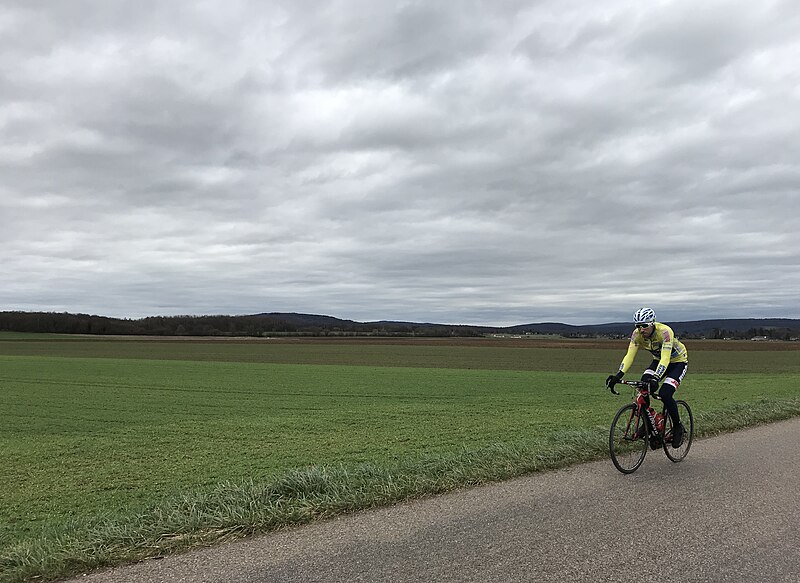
{"points": [[97, 432]]}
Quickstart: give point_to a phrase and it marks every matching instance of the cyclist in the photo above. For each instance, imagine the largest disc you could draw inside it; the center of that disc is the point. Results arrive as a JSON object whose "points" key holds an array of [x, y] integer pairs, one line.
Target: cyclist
{"points": [[670, 361]]}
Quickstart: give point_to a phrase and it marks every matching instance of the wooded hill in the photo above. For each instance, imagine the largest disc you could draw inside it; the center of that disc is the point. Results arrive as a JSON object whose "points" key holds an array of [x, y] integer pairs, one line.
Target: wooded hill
{"points": [[274, 324]]}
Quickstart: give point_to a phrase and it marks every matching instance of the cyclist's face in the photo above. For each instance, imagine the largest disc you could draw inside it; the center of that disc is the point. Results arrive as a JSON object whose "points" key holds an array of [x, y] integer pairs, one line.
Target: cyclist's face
{"points": [[647, 331]]}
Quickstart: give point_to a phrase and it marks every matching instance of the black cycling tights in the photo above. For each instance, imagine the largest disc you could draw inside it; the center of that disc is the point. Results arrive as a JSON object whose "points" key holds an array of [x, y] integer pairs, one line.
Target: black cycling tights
{"points": [[666, 393]]}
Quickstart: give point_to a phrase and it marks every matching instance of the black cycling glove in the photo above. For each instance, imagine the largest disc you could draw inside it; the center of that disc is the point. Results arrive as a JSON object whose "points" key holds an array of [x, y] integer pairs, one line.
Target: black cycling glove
{"points": [[613, 379], [651, 382]]}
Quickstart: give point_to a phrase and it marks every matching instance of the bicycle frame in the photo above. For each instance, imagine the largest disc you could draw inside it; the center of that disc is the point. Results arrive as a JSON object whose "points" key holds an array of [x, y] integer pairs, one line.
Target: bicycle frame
{"points": [[640, 398]]}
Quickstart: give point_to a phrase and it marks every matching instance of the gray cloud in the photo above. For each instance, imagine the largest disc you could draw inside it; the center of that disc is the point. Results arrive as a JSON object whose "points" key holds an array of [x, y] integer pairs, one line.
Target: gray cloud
{"points": [[492, 163]]}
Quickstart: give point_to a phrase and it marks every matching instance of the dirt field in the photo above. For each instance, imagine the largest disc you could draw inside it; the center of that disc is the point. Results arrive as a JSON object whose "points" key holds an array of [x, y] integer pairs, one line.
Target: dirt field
{"points": [[530, 342]]}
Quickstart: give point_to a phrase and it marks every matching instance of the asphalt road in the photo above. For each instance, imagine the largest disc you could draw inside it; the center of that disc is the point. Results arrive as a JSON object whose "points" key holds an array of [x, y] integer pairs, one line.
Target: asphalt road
{"points": [[729, 512]]}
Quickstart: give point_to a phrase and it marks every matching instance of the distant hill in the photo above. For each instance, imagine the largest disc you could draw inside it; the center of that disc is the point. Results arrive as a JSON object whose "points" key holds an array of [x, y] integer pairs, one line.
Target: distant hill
{"points": [[306, 319], [280, 323]]}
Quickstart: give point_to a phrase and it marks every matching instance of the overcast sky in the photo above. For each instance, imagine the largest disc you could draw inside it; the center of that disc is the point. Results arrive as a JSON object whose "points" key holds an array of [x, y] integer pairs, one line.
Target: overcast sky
{"points": [[495, 162]]}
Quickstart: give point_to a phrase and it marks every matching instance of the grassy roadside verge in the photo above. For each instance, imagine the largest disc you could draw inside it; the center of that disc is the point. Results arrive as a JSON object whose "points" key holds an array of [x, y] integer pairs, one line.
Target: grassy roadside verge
{"points": [[233, 510]]}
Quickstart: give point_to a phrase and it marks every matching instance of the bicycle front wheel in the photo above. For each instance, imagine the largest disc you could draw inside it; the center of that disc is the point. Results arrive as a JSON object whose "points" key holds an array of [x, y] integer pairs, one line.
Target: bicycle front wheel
{"points": [[676, 454], [627, 440]]}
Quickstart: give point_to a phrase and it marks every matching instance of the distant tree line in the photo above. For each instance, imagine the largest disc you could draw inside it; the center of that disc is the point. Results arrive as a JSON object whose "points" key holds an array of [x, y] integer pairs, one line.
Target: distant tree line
{"points": [[744, 334], [254, 326], [276, 324], [760, 333]]}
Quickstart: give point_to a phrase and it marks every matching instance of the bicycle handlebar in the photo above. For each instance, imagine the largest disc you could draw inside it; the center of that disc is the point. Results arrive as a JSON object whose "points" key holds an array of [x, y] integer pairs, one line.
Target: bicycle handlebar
{"points": [[637, 384]]}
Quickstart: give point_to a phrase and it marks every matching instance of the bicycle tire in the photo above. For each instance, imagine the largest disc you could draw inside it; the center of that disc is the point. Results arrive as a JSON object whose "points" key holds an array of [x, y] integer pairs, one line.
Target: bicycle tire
{"points": [[685, 413], [628, 445]]}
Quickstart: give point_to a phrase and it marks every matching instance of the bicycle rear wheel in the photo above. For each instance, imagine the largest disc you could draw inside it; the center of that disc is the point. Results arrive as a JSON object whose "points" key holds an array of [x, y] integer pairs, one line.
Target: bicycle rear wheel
{"points": [[685, 413], [627, 440]]}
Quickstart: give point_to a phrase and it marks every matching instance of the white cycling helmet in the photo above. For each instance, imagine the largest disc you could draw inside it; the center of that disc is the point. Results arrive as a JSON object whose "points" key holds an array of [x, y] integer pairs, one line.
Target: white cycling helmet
{"points": [[644, 316]]}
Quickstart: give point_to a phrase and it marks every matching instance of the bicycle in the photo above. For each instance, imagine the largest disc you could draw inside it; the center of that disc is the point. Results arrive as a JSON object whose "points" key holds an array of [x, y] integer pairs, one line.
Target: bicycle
{"points": [[637, 426]]}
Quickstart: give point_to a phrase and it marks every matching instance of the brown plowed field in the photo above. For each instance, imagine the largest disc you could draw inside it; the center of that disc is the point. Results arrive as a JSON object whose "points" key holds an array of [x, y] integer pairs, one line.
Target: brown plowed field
{"points": [[507, 342]]}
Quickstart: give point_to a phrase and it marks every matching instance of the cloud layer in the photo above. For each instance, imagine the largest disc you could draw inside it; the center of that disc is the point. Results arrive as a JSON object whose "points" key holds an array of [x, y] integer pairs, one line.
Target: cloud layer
{"points": [[478, 162]]}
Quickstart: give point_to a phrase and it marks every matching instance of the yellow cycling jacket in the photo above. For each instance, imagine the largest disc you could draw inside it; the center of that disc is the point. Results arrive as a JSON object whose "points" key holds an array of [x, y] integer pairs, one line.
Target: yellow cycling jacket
{"points": [[662, 344]]}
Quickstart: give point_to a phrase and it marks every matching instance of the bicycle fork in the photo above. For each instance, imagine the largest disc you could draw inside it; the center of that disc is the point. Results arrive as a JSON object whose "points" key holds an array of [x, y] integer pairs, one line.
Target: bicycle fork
{"points": [[637, 425]]}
